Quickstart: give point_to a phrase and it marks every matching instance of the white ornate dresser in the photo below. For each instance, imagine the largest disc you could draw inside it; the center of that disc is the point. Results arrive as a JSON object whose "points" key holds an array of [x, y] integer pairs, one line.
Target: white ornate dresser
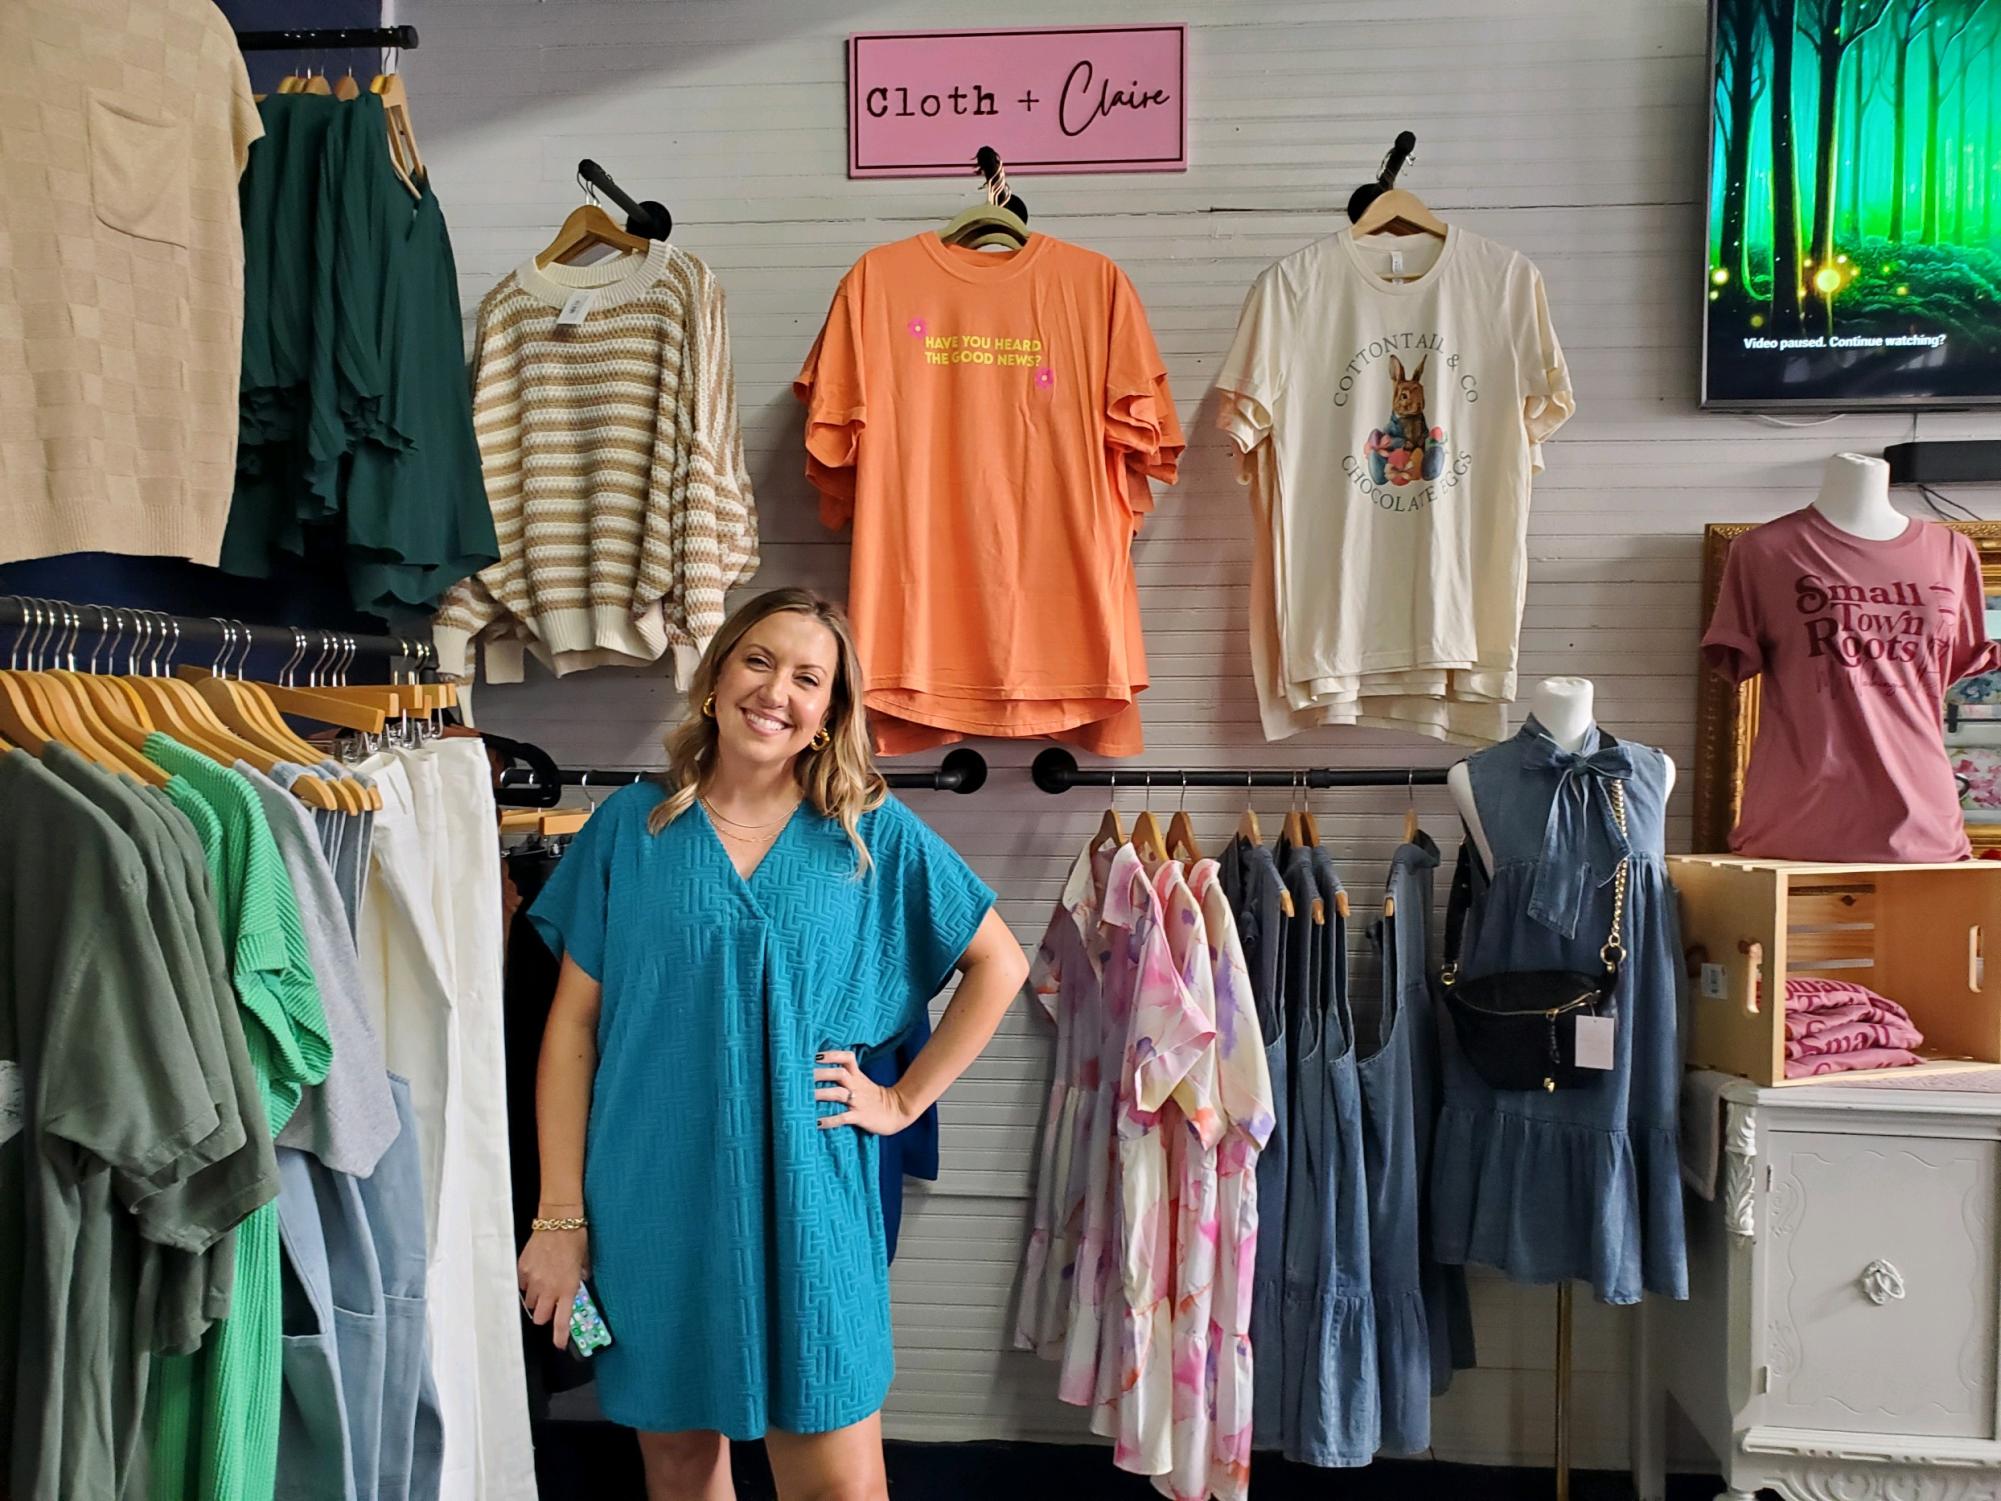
{"points": [[1843, 1328]]}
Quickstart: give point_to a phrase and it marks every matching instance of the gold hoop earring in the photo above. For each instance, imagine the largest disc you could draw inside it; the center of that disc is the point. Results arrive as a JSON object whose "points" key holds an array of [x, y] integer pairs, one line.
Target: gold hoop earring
{"points": [[709, 707], [822, 738]]}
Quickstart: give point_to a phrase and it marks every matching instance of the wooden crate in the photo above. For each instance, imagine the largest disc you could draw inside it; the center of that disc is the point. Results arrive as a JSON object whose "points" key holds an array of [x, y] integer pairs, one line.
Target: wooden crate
{"points": [[1917, 934]]}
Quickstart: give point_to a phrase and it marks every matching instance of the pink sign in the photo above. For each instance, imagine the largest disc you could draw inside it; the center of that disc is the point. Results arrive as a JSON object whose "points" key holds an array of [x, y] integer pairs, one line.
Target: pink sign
{"points": [[1048, 99]]}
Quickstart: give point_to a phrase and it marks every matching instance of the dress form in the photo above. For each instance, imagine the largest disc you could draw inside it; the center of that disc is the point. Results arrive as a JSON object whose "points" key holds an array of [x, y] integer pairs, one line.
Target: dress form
{"points": [[1562, 706], [1855, 496]]}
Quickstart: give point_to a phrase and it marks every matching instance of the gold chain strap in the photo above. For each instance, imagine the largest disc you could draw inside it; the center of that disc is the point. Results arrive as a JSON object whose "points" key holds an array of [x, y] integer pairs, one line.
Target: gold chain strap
{"points": [[1615, 946]]}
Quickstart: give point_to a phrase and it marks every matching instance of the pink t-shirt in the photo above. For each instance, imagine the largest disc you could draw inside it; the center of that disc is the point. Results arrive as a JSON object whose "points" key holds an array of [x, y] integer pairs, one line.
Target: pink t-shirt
{"points": [[1857, 641]]}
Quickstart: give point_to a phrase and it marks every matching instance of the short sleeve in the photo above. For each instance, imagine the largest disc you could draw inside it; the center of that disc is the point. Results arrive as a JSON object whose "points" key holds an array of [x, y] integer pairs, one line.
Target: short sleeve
{"points": [[1733, 645], [1972, 652], [928, 905], [1251, 376], [1142, 429], [121, 1078], [1168, 1035], [832, 385], [571, 915], [1547, 400]]}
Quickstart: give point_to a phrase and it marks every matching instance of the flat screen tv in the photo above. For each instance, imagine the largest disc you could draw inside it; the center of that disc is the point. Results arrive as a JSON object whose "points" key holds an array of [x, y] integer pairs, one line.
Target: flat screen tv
{"points": [[1854, 195]]}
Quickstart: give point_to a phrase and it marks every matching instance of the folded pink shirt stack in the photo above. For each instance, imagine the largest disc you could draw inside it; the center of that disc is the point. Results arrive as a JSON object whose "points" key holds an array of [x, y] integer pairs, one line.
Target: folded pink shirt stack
{"points": [[1835, 1027]]}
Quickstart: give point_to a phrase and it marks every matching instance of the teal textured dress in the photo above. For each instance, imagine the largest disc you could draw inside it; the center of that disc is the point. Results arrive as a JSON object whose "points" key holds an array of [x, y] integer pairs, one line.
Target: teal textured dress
{"points": [[737, 1247]]}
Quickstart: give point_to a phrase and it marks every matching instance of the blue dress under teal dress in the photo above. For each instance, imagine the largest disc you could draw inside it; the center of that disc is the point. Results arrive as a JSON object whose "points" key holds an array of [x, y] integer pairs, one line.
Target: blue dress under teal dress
{"points": [[1580, 1183], [737, 1247]]}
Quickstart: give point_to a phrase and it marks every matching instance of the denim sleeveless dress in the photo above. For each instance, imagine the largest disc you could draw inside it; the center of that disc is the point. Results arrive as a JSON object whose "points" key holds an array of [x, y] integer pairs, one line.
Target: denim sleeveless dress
{"points": [[1396, 1042], [1577, 1183], [1252, 885], [1331, 1416]]}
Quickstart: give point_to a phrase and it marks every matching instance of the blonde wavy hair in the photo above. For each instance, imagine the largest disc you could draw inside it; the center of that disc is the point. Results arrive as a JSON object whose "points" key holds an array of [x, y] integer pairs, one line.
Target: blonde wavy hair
{"points": [[838, 779]]}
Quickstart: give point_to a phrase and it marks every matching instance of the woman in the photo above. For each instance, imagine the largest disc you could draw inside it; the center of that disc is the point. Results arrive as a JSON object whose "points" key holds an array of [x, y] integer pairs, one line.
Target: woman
{"points": [[734, 944]]}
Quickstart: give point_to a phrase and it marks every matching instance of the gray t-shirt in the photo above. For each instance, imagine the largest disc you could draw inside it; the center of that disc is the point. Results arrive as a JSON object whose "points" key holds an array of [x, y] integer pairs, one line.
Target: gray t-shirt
{"points": [[115, 1102], [191, 1219], [349, 1120]]}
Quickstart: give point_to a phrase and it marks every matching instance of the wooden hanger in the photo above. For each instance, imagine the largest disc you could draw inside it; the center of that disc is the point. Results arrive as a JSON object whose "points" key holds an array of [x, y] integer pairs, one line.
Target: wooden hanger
{"points": [[316, 83], [1410, 827], [181, 712], [1398, 211], [588, 226], [59, 706], [388, 87], [1148, 840], [347, 88], [1181, 843], [1111, 833], [115, 732]]}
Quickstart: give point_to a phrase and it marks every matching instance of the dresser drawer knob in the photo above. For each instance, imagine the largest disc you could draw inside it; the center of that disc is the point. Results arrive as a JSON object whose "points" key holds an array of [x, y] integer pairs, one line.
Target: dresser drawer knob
{"points": [[1881, 1282]]}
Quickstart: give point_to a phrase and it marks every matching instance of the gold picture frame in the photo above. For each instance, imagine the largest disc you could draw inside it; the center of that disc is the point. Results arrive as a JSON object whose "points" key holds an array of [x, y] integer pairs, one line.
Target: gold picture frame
{"points": [[1726, 718]]}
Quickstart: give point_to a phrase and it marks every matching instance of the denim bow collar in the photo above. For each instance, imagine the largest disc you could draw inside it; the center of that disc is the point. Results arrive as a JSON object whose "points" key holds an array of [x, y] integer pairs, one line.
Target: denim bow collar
{"points": [[1582, 797]]}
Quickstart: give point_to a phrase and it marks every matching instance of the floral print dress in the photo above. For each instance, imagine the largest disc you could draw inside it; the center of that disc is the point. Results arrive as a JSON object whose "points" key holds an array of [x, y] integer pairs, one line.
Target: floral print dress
{"points": [[1067, 980], [1191, 1129], [1248, 1113]]}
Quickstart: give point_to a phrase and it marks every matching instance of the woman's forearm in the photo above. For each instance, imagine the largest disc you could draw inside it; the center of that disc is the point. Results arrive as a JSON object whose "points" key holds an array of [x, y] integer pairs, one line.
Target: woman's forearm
{"points": [[564, 1074], [992, 970]]}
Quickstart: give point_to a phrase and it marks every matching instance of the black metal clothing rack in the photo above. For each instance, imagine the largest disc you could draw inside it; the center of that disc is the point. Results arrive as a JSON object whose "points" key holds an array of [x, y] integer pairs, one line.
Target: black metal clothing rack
{"points": [[1056, 770], [328, 38], [60, 621], [963, 771]]}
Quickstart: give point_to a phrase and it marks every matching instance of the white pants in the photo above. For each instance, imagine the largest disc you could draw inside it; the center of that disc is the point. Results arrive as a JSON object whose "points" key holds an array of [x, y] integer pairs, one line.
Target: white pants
{"points": [[431, 947]]}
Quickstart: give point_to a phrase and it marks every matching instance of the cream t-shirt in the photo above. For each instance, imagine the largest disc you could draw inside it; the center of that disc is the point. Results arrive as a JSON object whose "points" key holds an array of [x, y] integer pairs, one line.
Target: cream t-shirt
{"points": [[1389, 429], [124, 125]]}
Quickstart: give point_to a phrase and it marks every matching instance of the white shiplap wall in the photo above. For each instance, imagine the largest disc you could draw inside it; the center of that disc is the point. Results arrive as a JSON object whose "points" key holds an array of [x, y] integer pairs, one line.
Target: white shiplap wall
{"points": [[1572, 129]]}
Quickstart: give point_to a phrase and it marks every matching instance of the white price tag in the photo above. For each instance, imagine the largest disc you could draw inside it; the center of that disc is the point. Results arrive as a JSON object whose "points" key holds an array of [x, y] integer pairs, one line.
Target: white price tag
{"points": [[575, 310], [1594, 1041], [12, 1109], [1715, 983]]}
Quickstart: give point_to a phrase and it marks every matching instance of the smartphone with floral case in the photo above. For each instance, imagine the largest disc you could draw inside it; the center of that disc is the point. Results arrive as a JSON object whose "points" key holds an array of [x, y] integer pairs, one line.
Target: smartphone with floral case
{"points": [[588, 1334]]}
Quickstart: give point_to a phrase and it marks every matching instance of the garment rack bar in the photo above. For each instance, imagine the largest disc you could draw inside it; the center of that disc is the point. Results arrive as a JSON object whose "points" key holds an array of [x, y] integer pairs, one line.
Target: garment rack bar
{"points": [[963, 771], [328, 39], [1056, 770], [93, 622]]}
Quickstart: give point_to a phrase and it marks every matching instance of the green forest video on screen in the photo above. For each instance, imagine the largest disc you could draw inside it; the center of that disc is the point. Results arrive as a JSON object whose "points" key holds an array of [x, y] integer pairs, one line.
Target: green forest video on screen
{"points": [[1854, 232]]}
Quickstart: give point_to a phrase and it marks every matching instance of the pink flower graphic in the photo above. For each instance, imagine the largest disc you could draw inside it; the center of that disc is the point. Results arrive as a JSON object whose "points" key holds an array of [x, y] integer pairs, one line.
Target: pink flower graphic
{"points": [[1045, 378], [917, 328]]}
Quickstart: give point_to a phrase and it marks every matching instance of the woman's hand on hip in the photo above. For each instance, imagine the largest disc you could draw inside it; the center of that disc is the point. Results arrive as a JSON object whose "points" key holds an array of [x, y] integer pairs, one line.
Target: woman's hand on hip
{"points": [[552, 1266], [871, 1107]]}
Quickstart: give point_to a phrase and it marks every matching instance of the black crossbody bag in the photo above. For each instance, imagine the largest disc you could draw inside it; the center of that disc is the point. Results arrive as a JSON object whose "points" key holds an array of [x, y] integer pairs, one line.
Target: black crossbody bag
{"points": [[1519, 1028]]}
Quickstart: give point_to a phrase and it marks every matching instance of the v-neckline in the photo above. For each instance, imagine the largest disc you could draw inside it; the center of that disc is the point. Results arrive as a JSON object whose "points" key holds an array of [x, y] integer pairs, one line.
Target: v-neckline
{"points": [[716, 839]]}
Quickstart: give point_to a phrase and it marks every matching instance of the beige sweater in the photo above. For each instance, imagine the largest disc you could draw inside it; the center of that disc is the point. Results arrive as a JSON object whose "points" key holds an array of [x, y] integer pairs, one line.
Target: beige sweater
{"points": [[124, 125], [614, 464]]}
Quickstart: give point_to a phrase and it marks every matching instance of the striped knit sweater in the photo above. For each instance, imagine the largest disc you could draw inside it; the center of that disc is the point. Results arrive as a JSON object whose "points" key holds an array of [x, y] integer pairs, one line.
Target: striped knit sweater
{"points": [[614, 465]]}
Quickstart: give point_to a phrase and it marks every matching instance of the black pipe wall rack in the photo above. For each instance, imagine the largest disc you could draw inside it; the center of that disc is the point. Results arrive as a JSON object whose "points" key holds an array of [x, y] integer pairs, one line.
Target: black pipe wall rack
{"points": [[963, 771], [328, 38], [1056, 770]]}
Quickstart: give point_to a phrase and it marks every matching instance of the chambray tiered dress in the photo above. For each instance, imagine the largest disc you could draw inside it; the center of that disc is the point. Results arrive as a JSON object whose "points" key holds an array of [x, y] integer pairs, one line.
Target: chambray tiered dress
{"points": [[737, 1248], [1330, 1412], [1577, 1183]]}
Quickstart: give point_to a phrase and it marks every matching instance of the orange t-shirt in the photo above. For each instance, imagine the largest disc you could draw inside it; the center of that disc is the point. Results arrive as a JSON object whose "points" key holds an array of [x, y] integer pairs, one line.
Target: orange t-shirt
{"points": [[990, 424]]}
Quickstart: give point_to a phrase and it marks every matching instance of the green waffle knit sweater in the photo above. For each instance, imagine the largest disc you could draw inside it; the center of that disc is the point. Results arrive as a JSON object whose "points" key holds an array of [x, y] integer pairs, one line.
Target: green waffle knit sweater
{"points": [[215, 1413]]}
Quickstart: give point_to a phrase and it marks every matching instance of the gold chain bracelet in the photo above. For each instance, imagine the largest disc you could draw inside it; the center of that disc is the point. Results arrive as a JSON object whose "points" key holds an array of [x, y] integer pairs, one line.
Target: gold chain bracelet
{"points": [[562, 1224]]}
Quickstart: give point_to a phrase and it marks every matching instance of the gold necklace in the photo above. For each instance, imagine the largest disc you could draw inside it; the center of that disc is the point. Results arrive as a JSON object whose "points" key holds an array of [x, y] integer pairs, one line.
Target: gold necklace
{"points": [[753, 827]]}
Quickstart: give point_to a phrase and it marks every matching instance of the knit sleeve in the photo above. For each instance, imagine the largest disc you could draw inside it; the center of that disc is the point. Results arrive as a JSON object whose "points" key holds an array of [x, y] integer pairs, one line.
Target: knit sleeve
{"points": [[474, 604], [703, 541]]}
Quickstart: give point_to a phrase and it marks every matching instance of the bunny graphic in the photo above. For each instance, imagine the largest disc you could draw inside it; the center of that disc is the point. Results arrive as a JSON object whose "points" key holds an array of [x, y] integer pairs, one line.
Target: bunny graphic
{"points": [[1409, 449]]}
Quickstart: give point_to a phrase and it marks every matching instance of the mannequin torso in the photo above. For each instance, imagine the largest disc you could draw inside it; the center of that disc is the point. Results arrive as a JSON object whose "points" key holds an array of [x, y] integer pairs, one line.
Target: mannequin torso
{"points": [[1855, 496], [1562, 706]]}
